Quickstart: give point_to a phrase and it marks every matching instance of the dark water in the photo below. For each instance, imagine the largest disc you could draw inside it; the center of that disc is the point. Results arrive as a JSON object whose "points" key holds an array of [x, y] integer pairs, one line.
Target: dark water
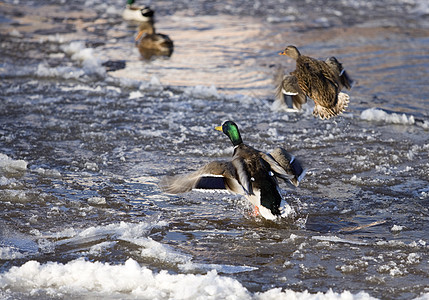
{"points": [[82, 150]]}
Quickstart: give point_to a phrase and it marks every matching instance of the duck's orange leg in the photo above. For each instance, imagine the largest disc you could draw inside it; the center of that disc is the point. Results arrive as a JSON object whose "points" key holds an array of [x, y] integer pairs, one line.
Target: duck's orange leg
{"points": [[255, 212]]}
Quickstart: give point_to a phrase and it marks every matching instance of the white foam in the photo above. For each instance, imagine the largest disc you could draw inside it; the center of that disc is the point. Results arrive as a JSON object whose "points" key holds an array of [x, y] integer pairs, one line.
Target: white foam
{"points": [[96, 279], [378, 115]]}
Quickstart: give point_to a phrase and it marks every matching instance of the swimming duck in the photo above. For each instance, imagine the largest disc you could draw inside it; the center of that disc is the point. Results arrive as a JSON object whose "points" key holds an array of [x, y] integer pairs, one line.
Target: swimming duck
{"points": [[251, 173], [151, 43], [318, 80], [134, 13]]}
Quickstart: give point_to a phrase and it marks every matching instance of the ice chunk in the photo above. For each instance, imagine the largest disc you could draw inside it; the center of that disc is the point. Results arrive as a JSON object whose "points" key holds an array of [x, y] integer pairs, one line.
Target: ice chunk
{"points": [[201, 91], [375, 114], [83, 278], [9, 253], [10, 165], [396, 228]]}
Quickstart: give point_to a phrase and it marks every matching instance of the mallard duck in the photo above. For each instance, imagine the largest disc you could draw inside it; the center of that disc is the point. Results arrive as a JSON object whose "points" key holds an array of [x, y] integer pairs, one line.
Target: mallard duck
{"points": [[151, 43], [251, 173], [140, 14], [317, 80]]}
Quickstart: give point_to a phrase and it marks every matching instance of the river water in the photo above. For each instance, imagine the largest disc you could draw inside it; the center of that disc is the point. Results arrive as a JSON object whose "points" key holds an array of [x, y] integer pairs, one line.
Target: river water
{"points": [[84, 145]]}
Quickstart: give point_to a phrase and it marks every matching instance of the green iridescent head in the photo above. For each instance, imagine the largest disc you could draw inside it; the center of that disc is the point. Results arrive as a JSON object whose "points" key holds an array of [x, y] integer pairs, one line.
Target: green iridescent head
{"points": [[231, 130]]}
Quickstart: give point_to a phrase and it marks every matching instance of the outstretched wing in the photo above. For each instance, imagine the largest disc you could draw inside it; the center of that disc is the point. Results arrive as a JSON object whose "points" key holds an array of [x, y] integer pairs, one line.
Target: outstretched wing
{"points": [[289, 164], [217, 175], [343, 77], [288, 86]]}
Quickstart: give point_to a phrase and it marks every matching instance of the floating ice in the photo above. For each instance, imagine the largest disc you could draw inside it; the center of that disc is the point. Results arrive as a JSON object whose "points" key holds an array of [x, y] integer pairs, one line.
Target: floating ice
{"points": [[10, 165], [9, 253], [375, 114], [130, 280], [396, 228], [153, 85], [90, 62], [15, 33], [201, 91], [99, 248], [97, 200], [61, 72], [48, 173], [336, 239], [135, 95]]}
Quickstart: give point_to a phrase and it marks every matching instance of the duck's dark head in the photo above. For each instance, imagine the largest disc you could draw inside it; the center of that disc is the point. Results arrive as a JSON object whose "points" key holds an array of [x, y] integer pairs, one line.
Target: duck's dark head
{"points": [[231, 130], [147, 12], [291, 51]]}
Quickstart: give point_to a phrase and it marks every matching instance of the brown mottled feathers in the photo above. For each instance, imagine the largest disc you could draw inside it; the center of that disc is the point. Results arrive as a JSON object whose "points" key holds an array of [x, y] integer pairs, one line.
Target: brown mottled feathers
{"points": [[288, 85], [320, 81], [151, 43]]}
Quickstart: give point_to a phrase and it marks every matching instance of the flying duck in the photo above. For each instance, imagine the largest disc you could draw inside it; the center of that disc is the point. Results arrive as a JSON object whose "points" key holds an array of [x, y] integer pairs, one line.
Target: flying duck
{"points": [[151, 43], [319, 80], [251, 173], [140, 14]]}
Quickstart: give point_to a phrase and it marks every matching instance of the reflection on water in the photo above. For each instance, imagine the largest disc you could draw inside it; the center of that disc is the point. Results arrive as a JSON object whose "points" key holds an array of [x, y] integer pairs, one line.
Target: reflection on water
{"points": [[84, 140]]}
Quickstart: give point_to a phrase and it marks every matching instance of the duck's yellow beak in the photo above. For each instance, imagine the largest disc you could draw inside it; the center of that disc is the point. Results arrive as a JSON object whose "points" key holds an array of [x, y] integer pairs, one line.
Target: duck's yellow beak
{"points": [[282, 53], [139, 35], [219, 128]]}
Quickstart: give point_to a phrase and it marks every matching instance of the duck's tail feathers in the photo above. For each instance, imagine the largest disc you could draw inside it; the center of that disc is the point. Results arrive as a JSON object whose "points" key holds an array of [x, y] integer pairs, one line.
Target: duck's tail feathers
{"points": [[326, 113]]}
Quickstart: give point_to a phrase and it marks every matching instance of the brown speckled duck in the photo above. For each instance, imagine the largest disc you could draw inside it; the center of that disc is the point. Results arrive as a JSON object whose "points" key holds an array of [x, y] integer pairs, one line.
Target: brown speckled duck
{"points": [[319, 80], [151, 43], [251, 173]]}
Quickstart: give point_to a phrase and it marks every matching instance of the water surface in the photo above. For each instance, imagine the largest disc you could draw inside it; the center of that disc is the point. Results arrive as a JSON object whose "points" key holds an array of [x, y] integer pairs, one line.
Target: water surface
{"points": [[83, 148]]}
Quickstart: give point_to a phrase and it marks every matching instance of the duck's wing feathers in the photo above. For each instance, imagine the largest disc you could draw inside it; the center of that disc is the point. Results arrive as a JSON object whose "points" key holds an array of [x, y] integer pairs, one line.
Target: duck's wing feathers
{"points": [[217, 175], [288, 85], [242, 175], [337, 67], [289, 164]]}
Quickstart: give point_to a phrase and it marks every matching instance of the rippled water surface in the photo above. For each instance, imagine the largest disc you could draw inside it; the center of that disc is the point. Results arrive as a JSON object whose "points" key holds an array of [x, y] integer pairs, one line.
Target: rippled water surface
{"points": [[83, 146]]}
